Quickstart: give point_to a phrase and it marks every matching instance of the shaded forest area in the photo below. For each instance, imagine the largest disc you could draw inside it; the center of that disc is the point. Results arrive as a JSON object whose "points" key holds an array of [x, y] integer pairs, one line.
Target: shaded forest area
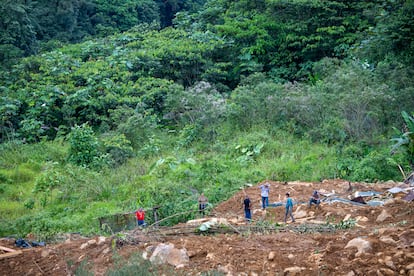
{"points": [[29, 27]]}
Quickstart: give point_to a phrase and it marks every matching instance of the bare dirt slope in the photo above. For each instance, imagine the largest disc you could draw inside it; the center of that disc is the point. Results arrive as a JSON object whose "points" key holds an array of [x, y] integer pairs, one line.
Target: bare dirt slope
{"points": [[339, 238]]}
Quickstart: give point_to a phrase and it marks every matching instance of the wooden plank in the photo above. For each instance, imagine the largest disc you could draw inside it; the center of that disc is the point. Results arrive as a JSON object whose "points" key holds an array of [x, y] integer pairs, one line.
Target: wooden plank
{"points": [[6, 249], [10, 254]]}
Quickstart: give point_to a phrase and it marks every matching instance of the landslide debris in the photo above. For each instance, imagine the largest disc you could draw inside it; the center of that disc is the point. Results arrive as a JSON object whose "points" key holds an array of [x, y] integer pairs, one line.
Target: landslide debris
{"points": [[340, 237]]}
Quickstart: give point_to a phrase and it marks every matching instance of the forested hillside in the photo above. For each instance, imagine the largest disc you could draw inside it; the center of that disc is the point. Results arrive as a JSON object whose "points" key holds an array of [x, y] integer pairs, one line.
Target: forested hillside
{"points": [[110, 105]]}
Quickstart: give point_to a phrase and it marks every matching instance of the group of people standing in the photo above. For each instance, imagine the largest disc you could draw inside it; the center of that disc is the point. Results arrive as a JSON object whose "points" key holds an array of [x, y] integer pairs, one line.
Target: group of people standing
{"points": [[264, 193], [265, 189], [247, 205]]}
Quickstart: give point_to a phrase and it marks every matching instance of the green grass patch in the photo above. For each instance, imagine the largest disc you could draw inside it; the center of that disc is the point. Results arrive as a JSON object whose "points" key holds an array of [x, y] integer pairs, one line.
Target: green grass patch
{"points": [[11, 209]]}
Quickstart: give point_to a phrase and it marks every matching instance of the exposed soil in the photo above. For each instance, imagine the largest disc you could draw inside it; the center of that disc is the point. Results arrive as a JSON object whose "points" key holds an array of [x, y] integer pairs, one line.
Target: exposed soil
{"points": [[385, 244]]}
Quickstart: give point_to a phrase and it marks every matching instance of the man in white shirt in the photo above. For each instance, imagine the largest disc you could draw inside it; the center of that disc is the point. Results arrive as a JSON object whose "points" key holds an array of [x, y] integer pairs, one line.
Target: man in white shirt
{"points": [[265, 194]]}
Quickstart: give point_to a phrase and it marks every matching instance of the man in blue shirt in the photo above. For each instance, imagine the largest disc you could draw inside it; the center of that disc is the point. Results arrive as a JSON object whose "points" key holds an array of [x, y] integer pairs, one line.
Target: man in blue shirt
{"points": [[289, 207]]}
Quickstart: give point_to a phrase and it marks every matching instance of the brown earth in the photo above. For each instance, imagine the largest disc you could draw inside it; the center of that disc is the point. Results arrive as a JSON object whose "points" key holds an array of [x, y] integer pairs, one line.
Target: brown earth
{"points": [[380, 240]]}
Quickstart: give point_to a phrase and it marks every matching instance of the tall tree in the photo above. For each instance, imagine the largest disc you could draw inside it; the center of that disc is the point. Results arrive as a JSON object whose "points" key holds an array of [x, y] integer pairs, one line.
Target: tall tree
{"points": [[286, 37], [17, 30], [393, 33]]}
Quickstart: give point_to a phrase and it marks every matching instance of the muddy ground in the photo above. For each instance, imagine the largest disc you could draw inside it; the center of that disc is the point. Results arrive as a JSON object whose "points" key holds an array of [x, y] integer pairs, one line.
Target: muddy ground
{"points": [[338, 238]]}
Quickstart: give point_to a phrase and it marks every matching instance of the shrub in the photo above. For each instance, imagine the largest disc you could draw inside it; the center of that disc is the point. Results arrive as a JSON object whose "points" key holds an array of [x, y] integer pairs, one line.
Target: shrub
{"points": [[377, 165], [85, 148], [118, 148], [47, 181]]}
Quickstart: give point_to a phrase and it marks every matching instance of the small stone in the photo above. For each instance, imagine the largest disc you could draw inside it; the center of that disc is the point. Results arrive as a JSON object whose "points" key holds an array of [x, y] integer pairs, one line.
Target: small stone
{"points": [[101, 240], [291, 257], [210, 256], [387, 272], [271, 256], [383, 216], [387, 240], [399, 254], [45, 253], [410, 266], [90, 242], [294, 270], [382, 231], [361, 218], [191, 253], [390, 264], [145, 255]]}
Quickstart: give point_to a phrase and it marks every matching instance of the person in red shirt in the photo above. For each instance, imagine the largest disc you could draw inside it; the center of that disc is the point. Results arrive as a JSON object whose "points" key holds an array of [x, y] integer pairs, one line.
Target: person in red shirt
{"points": [[140, 215]]}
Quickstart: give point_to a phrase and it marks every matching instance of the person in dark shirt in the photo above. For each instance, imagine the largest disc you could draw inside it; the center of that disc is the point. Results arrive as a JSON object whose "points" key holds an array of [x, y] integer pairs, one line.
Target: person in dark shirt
{"points": [[202, 204], [315, 199], [247, 207]]}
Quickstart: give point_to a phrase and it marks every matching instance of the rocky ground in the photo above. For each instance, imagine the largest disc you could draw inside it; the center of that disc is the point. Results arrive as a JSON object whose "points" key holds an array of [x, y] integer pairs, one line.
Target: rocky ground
{"points": [[338, 238]]}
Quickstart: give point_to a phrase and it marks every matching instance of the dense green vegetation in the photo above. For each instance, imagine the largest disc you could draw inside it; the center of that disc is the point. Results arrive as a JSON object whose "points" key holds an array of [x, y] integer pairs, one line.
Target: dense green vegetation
{"points": [[28, 27], [128, 105]]}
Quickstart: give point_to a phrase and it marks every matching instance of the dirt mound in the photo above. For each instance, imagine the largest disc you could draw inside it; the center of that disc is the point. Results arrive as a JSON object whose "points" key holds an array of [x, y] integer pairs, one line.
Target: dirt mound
{"points": [[341, 237]]}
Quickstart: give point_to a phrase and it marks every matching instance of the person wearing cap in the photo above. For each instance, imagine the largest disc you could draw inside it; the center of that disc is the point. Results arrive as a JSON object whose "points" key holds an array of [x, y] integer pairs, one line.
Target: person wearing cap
{"points": [[289, 207]]}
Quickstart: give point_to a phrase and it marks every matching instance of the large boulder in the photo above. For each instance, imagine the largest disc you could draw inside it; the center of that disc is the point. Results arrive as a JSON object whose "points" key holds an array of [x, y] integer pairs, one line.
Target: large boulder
{"points": [[361, 244], [168, 254]]}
